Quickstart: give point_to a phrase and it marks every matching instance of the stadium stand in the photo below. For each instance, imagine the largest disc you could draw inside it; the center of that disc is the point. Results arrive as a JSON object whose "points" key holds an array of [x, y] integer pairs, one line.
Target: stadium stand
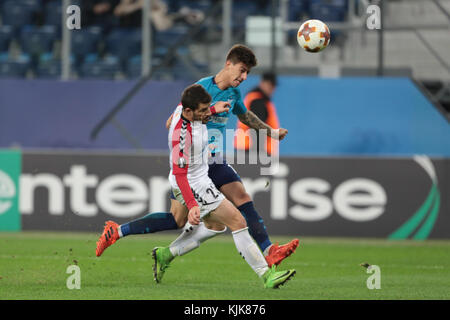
{"points": [[6, 35], [14, 67], [97, 68], [123, 43], [49, 66], [85, 41], [328, 10], [52, 15], [296, 10], [25, 28], [133, 68], [19, 13], [37, 40], [50, 69]]}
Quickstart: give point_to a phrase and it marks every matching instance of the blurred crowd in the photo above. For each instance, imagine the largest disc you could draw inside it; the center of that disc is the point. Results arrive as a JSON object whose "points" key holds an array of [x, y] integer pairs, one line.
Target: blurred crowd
{"points": [[109, 42], [128, 13]]}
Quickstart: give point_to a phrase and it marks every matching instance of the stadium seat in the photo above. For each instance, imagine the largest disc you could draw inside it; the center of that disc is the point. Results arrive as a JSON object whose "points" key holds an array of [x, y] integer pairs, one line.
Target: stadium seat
{"points": [[100, 69], [37, 40], [160, 52], [241, 10], [85, 41], [49, 70], [189, 70], [328, 10], [123, 43], [53, 10], [133, 66], [6, 35], [133, 69], [201, 5], [296, 9], [52, 15], [49, 67], [17, 14], [163, 74], [14, 68], [170, 37], [34, 4], [180, 72]]}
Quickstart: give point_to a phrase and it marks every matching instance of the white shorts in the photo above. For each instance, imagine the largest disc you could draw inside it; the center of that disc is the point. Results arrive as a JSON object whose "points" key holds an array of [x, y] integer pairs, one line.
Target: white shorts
{"points": [[206, 195]]}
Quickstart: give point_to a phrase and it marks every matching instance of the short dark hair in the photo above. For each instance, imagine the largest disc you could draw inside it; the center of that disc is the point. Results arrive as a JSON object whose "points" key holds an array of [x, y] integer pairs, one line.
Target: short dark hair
{"points": [[194, 95], [240, 53], [270, 77]]}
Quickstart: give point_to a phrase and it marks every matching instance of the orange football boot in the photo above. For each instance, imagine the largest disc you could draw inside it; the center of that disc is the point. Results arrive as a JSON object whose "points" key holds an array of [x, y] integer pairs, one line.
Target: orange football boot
{"points": [[109, 236], [279, 253]]}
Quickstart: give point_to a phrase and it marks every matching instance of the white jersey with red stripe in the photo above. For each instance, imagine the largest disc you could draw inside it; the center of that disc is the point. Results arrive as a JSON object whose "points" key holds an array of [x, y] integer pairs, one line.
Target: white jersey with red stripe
{"points": [[188, 144]]}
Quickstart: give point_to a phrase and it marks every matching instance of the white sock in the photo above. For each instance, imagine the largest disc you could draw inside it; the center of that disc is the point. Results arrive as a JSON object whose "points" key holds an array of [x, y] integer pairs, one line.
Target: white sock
{"points": [[266, 251], [119, 231], [248, 249], [191, 237]]}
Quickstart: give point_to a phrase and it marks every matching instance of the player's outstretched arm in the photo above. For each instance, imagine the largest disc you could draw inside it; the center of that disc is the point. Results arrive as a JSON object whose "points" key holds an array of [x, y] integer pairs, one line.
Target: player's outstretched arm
{"points": [[251, 120]]}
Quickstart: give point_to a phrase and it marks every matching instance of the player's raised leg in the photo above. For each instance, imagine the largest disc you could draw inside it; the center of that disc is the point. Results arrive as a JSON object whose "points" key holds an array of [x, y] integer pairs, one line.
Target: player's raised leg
{"points": [[150, 223]]}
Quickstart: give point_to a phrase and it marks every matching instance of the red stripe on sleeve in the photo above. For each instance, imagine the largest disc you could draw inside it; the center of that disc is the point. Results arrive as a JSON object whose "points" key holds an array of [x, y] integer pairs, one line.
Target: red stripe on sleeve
{"points": [[181, 146]]}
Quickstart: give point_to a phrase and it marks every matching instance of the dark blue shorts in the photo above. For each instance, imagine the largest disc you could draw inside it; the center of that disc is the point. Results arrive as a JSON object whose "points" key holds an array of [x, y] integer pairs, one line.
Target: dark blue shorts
{"points": [[220, 174]]}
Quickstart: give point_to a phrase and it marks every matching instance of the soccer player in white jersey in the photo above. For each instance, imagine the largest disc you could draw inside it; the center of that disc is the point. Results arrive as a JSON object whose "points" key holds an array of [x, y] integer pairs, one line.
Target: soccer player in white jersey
{"points": [[223, 88], [188, 143]]}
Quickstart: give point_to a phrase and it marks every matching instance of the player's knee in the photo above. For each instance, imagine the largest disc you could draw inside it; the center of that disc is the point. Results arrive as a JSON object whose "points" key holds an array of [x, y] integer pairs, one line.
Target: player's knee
{"points": [[239, 223], [216, 226], [241, 197], [180, 220], [178, 214]]}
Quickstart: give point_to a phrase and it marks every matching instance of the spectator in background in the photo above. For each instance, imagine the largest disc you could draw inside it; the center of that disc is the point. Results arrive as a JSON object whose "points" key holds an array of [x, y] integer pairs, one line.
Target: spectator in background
{"points": [[130, 14], [99, 12], [259, 102]]}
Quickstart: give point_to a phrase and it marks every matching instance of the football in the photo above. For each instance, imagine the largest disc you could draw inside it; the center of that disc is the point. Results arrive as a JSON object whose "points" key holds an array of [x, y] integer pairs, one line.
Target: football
{"points": [[313, 36]]}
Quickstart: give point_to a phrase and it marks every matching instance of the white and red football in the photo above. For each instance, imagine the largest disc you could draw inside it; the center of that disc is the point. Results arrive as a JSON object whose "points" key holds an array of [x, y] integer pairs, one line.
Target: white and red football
{"points": [[313, 36]]}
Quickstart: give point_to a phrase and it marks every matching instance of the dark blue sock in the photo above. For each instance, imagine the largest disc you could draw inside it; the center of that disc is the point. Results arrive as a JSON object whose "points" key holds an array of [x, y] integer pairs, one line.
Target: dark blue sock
{"points": [[152, 222], [255, 224]]}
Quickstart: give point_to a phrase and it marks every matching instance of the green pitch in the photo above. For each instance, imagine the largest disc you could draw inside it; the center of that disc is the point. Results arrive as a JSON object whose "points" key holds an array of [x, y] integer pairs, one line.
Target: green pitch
{"points": [[33, 266]]}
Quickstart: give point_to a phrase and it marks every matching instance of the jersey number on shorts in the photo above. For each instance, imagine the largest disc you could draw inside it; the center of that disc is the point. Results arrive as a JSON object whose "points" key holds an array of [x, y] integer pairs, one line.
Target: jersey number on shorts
{"points": [[211, 192]]}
